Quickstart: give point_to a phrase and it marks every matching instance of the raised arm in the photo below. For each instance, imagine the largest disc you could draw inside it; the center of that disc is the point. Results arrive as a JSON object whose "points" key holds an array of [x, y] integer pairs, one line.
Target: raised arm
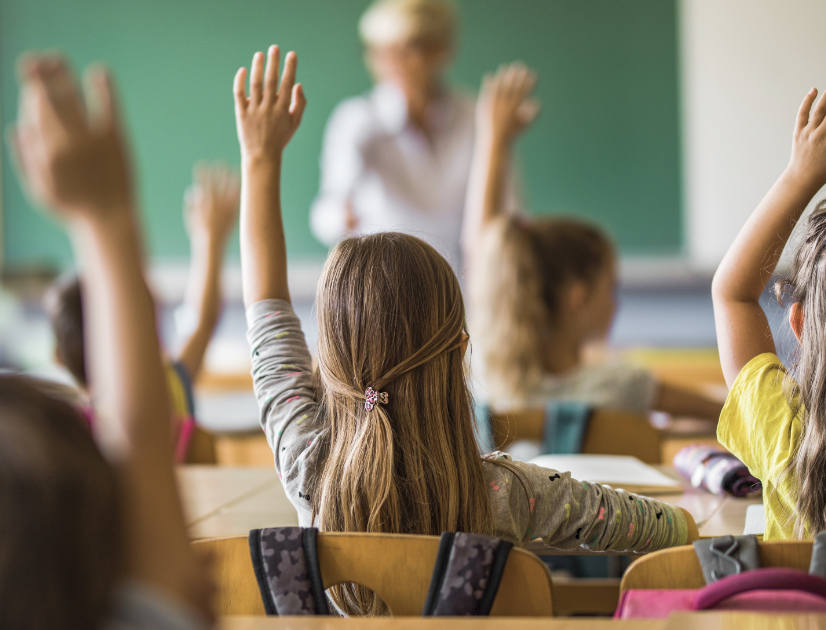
{"points": [[73, 160], [266, 120], [210, 212], [742, 328], [505, 108]]}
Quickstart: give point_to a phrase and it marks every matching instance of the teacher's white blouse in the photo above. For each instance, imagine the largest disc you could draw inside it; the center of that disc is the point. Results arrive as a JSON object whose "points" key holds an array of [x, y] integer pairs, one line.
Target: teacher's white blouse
{"points": [[391, 174]]}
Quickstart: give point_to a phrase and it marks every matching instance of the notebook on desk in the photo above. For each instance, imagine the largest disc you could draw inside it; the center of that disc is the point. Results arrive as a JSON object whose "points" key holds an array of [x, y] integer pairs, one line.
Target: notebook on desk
{"points": [[755, 520], [618, 471]]}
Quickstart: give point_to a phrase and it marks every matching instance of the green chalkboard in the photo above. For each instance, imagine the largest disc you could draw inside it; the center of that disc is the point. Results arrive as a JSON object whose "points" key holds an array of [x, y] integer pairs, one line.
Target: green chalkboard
{"points": [[606, 146]]}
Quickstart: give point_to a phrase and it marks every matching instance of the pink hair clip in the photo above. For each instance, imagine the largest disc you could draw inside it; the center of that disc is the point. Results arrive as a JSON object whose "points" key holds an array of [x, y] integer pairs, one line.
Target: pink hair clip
{"points": [[373, 398]]}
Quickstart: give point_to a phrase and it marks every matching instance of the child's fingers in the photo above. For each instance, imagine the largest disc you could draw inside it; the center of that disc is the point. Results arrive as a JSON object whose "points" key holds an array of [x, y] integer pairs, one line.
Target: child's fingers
{"points": [[514, 77], [819, 112], [26, 148], [61, 90], [17, 151], [100, 90], [239, 88], [299, 102], [256, 77], [528, 111], [271, 75], [285, 93], [805, 108]]}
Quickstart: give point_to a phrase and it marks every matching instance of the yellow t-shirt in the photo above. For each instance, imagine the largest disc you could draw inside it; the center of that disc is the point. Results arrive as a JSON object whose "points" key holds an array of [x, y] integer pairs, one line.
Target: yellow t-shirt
{"points": [[758, 426]]}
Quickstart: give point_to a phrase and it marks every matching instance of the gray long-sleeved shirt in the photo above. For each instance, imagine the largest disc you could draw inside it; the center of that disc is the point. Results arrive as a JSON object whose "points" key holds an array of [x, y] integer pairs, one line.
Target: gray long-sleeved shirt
{"points": [[527, 501]]}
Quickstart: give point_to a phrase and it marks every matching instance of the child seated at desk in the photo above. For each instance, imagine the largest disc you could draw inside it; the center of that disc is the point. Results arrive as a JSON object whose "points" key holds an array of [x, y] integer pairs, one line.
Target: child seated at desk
{"points": [[211, 209], [543, 288], [381, 438], [774, 419], [92, 533]]}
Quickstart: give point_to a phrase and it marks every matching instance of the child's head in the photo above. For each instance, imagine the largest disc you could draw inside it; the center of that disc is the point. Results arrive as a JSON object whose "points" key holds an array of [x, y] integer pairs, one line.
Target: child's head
{"points": [[537, 281], [64, 304], [807, 290], [60, 534], [391, 317], [408, 42]]}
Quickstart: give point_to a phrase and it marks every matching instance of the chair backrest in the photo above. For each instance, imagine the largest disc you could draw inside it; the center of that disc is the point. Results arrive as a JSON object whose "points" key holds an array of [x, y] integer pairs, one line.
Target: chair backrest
{"points": [[397, 567], [609, 432], [201, 447], [243, 449], [679, 568]]}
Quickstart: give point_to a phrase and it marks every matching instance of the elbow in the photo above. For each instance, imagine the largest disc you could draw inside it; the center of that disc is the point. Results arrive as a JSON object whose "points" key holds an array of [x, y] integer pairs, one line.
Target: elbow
{"points": [[719, 287]]}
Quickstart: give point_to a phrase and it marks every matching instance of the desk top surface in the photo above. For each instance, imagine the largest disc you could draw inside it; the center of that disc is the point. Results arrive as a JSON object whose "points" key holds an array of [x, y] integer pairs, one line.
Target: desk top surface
{"points": [[224, 501]]}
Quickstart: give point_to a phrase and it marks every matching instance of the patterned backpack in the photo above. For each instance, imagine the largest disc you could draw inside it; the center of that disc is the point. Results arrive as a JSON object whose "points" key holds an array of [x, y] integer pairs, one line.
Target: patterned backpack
{"points": [[465, 580]]}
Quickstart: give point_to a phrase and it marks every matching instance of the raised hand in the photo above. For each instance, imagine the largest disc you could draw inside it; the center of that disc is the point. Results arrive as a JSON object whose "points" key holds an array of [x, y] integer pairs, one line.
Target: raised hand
{"points": [[505, 106], [269, 116], [211, 203], [70, 151], [808, 159]]}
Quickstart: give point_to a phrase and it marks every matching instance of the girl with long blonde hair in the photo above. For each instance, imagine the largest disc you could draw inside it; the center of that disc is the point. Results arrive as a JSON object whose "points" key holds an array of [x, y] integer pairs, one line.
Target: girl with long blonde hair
{"points": [[543, 288], [381, 439], [774, 419]]}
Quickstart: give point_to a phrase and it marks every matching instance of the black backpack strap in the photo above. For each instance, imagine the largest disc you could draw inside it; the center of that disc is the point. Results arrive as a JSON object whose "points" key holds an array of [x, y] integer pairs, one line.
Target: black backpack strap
{"points": [[818, 564], [285, 561], [726, 555], [466, 575]]}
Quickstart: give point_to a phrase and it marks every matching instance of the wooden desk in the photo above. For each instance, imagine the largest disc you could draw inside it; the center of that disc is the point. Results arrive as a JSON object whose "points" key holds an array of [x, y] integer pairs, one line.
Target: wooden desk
{"points": [[729, 517], [695, 621], [266, 507], [224, 501]]}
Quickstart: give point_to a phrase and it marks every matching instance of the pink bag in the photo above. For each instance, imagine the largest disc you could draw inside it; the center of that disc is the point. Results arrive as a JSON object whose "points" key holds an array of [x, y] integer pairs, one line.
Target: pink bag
{"points": [[767, 590]]}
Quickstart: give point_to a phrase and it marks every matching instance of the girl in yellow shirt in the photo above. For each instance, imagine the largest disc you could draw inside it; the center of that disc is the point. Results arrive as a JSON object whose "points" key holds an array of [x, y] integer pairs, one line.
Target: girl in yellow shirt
{"points": [[773, 420]]}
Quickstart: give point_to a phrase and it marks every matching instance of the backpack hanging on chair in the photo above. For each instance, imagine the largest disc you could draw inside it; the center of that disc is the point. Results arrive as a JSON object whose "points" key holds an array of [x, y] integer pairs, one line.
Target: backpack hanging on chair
{"points": [[735, 581], [466, 574]]}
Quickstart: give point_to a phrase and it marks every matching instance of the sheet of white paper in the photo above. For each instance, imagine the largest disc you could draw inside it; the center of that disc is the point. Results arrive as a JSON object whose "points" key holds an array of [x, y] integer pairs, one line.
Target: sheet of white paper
{"points": [[755, 520], [611, 469]]}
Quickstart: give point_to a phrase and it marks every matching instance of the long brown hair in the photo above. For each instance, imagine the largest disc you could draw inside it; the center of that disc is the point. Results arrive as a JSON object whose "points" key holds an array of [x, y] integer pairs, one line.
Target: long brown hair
{"points": [[60, 526], [516, 289], [391, 317], [806, 384]]}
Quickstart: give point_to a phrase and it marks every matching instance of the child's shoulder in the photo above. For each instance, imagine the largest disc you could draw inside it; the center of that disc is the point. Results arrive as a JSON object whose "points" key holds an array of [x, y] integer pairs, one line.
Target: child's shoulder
{"points": [[764, 378]]}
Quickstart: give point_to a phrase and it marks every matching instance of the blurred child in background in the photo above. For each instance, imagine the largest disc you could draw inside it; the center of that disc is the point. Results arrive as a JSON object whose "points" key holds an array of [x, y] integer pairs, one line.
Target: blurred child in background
{"points": [[210, 212], [542, 289]]}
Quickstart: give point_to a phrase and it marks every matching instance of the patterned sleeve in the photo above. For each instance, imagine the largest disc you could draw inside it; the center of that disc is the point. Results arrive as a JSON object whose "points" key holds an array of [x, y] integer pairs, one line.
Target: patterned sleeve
{"points": [[283, 383], [535, 502]]}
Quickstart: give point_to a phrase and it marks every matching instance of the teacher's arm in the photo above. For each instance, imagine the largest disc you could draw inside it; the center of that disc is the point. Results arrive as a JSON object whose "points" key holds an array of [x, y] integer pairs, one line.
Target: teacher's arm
{"points": [[333, 215]]}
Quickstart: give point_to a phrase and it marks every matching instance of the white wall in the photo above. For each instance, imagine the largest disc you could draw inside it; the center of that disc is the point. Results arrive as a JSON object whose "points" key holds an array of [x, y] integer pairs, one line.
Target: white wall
{"points": [[746, 65]]}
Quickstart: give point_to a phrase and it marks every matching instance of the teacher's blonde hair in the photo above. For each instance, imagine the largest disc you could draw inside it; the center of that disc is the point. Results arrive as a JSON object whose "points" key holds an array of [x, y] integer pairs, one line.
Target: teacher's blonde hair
{"points": [[432, 22]]}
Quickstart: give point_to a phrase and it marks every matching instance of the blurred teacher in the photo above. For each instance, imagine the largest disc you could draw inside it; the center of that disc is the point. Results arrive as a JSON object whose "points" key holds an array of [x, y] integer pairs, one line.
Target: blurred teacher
{"points": [[397, 158]]}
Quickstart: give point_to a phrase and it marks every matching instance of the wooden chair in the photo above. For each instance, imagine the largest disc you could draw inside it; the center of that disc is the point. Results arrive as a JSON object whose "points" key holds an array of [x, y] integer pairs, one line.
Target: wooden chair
{"points": [[397, 567], [243, 449], [201, 448], [678, 567], [609, 432]]}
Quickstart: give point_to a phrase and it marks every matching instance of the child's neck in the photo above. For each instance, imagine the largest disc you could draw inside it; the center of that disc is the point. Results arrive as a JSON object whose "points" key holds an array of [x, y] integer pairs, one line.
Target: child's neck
{"points": [[564, 353]]}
